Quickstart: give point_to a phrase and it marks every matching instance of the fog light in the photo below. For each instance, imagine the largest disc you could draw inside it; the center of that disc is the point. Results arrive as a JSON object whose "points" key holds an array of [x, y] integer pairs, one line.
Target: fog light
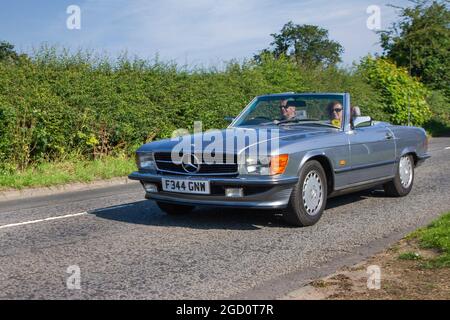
{"points": [[150, 187], [234, 192]]}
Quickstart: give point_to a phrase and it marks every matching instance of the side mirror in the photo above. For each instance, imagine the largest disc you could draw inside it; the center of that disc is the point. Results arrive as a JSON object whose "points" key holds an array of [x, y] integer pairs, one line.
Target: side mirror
{"points": [[229, 119], [359, 122]]}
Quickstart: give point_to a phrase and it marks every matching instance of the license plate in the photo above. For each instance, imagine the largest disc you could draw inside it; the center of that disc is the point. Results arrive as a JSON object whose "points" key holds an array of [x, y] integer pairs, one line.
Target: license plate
{"points": [[185, 186]]}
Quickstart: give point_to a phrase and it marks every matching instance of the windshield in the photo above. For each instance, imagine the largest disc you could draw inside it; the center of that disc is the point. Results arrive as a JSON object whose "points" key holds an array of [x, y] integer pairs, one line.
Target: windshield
{"points": [[294, 109]]}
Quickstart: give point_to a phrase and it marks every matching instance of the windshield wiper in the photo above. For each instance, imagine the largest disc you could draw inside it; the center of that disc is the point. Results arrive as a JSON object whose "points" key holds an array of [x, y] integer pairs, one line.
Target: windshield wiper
{"points": [[317, 123], [278, 122], [299, 122]]}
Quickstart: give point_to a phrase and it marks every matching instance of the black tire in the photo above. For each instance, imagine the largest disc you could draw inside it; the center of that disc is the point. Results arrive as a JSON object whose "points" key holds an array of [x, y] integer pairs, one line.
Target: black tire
{"points": [[297, 213], [396, 188], [174, 209]]}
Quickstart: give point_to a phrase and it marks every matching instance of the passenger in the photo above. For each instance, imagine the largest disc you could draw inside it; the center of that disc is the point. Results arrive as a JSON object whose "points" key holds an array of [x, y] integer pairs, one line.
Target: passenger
{"points": [[335, 112]]}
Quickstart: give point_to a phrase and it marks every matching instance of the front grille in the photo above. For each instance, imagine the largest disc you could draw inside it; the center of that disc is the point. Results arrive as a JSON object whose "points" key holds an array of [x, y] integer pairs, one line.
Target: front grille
{"points": [[207, 167]]}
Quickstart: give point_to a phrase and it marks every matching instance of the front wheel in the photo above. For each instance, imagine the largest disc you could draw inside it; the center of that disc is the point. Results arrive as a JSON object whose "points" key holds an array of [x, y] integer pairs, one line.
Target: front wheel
{"points": [[403, 181], [174, 209], [309, 196]]}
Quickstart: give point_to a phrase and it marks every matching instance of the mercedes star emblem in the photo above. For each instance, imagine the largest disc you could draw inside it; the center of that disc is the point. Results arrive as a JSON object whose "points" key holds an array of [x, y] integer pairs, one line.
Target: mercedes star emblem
{"points": [[190, 163]]}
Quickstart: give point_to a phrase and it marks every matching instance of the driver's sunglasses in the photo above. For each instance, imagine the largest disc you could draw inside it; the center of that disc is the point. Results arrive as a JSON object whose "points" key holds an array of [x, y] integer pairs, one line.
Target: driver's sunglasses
{"points": [[337, 110]]}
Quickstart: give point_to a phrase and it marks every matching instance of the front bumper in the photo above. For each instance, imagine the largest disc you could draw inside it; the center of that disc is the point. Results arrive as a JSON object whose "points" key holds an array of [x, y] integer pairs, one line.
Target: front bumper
{"points": [[259, 192]]}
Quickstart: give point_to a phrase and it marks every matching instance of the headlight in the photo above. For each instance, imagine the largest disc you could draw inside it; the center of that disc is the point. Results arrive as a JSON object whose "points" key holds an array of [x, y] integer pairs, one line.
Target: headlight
{"points": [[145, 161], [265, 165]]}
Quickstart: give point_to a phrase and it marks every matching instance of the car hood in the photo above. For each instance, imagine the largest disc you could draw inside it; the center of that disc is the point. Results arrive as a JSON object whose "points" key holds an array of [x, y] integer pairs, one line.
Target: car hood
{"points": [[234, 137]]}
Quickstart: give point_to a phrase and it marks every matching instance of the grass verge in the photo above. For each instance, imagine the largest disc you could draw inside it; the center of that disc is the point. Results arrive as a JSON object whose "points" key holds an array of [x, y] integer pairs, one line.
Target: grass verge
{"points": [[436, 236], [415, 268], [57, 173], [410, 256]]}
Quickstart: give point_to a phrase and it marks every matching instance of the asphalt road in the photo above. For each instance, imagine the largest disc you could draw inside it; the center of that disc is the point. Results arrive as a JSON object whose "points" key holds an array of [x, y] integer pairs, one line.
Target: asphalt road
{"points": [[126, 248]]}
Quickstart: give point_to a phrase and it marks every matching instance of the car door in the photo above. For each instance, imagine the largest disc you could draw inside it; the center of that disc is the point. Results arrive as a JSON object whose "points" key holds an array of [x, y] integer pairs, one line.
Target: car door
{"points": [[372, 153]]}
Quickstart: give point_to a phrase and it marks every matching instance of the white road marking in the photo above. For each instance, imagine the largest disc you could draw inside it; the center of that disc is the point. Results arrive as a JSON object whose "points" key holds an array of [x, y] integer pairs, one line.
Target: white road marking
{"points": [[448, 148], [43, 220]]}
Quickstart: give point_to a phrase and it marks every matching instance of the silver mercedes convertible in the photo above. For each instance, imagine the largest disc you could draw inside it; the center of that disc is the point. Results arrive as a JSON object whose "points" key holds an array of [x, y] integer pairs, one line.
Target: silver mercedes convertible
{"points": [[288, 151]]}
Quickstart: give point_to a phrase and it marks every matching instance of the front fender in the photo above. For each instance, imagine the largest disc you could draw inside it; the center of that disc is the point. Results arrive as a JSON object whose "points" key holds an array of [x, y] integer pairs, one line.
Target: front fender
{"points": [[311, 154], [406, 150]]}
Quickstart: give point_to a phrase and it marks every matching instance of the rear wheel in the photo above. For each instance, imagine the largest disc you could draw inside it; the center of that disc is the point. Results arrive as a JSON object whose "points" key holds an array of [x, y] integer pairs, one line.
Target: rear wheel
{"points": [[309, 196], [174, 209], [402, 184]]}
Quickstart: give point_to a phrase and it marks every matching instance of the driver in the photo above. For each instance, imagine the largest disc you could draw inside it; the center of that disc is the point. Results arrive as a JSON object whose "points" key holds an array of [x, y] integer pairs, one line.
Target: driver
{"points": [[335, 111], [287, 109]]}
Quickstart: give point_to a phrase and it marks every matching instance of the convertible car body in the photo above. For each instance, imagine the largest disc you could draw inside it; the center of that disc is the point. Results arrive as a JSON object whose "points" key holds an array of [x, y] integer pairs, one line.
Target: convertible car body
{"points": [[288, 151]]}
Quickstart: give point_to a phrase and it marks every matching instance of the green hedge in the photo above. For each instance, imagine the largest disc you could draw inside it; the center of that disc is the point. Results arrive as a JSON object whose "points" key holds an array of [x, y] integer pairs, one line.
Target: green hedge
{"points": [[403, 97], [439, 124], [53, 107]]}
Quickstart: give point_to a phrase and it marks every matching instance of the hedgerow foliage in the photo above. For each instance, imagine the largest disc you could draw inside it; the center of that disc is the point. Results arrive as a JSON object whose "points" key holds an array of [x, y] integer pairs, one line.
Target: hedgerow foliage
{"points": [[403, 97], [54, 106]]}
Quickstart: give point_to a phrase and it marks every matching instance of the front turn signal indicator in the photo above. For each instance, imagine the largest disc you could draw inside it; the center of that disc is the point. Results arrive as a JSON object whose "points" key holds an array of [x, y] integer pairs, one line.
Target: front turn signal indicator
{"points": [[278, 164]]}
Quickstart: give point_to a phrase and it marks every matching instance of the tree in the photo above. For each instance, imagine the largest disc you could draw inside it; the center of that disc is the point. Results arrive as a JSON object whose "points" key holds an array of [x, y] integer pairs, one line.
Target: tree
{"points": [[420, 41], [307, 45], [7, 52]]}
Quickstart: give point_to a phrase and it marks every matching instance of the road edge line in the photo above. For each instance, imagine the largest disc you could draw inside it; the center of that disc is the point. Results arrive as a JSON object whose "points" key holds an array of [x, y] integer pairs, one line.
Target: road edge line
{"points": [[18, 224]]}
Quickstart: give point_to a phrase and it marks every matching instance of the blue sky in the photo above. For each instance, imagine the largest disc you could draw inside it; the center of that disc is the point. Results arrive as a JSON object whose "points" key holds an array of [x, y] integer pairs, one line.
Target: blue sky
{"points": [[200, 32]]}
